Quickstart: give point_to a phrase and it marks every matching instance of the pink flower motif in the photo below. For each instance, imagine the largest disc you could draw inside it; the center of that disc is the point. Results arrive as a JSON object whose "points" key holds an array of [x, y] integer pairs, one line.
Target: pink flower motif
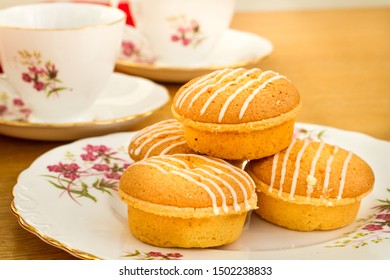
{"points": [[67, 170], [18, 102], [13, 108], [174, 255], [101, 167], [186, 41], [155, 254], [94, 152], [373, 227], [25, 111], [113, 175], [182, 30], [26, 77], [88, 157], [128, 48], [126, 165], [98, 149], [76, 178], [54, 168], [35, 70], [3, 109], [39, 85], [186, 31], [385, 217], [136, 52], [42, 76], [175, 38]]}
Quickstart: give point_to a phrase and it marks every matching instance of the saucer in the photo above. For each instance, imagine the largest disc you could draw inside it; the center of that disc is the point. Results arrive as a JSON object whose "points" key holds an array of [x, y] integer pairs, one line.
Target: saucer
{"points": [[236, 49], [125, 101]]}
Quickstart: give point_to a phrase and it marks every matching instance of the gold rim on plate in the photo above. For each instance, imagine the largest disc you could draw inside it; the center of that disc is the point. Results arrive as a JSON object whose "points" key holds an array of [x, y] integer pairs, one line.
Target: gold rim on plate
{"points": [[51, 241]]}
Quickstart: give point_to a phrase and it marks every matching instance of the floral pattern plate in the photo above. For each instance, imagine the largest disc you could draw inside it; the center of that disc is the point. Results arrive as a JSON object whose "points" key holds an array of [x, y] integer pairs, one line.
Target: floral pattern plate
{"points": [[125, 100], [236, 49], [68, 197]]}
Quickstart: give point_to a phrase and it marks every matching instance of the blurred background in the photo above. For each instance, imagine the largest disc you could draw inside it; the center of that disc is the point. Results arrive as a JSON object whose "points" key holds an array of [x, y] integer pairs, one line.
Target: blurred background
{"points": [[247, 5]]}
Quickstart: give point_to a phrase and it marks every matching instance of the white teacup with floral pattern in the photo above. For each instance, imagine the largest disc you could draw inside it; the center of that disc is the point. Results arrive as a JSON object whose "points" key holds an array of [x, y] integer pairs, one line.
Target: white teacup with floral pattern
{"points": [[182, 32], [59, 56]]}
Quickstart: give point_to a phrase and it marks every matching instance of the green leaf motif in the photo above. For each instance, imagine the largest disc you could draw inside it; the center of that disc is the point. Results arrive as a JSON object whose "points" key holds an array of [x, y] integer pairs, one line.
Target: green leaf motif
{"points": [[42, 76], [371, 229], [85, 176]]}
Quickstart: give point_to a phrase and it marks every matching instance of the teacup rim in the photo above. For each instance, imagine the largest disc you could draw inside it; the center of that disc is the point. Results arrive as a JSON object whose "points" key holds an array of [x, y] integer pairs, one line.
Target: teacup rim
{"points": [[122, 17]]}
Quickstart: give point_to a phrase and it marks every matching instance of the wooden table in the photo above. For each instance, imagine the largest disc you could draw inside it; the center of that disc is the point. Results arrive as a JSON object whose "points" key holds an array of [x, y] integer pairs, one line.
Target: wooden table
{"points": [[338, 59]]}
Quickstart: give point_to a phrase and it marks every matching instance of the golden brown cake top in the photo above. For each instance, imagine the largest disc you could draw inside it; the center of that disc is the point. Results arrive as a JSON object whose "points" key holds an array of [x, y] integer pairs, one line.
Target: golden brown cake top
{"points": [[314, 170], [162, 138], [192, 183], [234, 96]]}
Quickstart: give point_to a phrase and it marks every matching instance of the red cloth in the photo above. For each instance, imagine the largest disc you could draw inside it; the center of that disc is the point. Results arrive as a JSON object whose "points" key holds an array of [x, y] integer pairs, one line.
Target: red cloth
{"points": [[126, 8]]}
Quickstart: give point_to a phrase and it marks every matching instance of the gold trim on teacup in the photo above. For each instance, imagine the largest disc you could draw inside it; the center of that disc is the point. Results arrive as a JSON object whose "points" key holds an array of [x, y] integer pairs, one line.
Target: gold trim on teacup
{"points": [[75, 252], [122, 18]]}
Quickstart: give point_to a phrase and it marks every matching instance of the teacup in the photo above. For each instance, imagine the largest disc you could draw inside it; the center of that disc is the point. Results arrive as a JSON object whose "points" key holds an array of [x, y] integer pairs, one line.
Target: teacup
{"points": [[182, 33], [59, 56]]}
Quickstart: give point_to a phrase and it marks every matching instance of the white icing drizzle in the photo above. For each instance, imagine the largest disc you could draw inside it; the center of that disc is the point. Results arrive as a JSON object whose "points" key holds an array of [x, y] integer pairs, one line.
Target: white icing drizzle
{"points": [[311, 180], [163, 163], [218, 188], [255, 92], [200, 83], [232, 97], [344, 174], [213, 96], [172, 146], [328, 169], [242, 187], [197, 84], [313, 166], [185, 165], [273, 174], [239, 90], [232, 168], [215, 78], [204, 186], [155, 135], [284, 164], [162, 128], [230, 74], [226, 184], [186, 173], [297, 168], [235, 170], [161, 125], [163, 141], [158, 167], [216, 93]]}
